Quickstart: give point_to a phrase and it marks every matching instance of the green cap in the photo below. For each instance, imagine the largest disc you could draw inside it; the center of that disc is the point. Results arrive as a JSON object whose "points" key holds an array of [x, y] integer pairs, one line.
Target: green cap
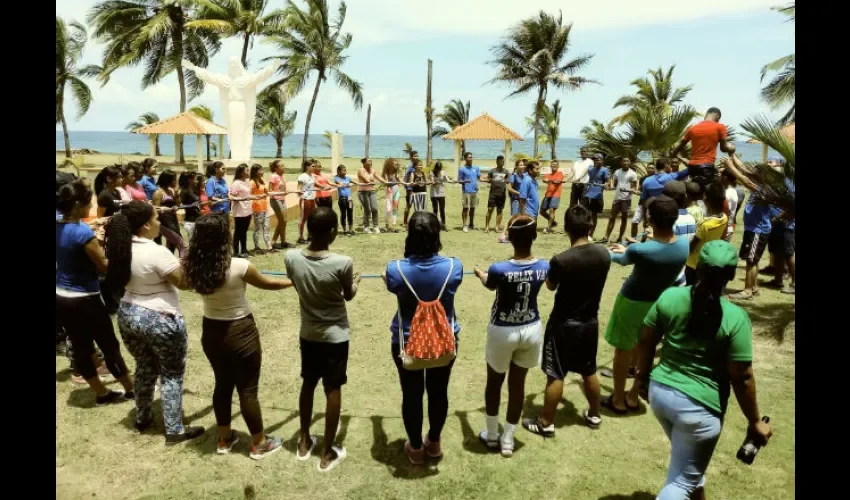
{"points": [[718, 253]]}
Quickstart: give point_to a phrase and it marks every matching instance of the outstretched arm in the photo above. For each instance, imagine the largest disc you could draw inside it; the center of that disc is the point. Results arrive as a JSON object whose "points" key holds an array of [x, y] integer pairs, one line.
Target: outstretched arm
{"points": [[738, 170], [206, 76], [264, 73]]}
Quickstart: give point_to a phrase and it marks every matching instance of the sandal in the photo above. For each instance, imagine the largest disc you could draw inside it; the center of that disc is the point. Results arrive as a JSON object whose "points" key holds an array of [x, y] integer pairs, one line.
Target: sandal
{"points": [[592, 422], [741, 296], [633, 409], [608, 403]]}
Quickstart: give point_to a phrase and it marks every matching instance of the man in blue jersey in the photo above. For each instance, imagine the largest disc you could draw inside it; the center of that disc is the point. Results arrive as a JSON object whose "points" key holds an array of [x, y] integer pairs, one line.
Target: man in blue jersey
{"points": [[597, 176], [653, 185], [468, 176], [514, 333], [514, 183], [529, 197]]}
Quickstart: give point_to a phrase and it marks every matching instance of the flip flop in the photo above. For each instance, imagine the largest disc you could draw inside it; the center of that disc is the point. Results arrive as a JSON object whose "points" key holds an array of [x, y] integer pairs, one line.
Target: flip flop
{"points": [[608, 403], [309, 452], [340, 456], [592, 422]]}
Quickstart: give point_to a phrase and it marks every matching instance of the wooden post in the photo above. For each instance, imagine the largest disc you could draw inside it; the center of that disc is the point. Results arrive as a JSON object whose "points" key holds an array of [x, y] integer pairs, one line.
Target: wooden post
{"points": [[177, 148], [336, 151], [457, 158], [152, 141], [200, 143], [507, 152], [368, 123], [429, 117], [220, 146]]}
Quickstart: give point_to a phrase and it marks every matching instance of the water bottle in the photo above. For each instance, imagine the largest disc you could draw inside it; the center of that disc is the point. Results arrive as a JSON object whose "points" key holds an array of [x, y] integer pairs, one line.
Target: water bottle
{"points": [[748, 451]]}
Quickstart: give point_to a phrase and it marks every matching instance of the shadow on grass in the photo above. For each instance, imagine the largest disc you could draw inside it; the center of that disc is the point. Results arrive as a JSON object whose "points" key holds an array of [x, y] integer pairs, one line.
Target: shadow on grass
{"points": [[771, 319], [63, 375], [638, 495], [291, 444], [392, 454], [471, 441], [565, 415]]}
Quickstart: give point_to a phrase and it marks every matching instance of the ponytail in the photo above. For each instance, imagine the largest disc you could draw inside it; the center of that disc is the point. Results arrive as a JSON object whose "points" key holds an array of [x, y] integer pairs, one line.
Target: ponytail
{"points": [[106, 172], [119, 241], [706, 312]]}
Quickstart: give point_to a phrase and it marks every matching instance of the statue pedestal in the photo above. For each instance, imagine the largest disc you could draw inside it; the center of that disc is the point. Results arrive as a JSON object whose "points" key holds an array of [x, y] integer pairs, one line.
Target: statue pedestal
{"points": [[230, 165]]}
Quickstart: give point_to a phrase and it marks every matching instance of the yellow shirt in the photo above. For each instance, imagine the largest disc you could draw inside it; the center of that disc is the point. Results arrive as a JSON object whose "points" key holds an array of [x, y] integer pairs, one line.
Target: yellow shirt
{"points": [[711, 228]]}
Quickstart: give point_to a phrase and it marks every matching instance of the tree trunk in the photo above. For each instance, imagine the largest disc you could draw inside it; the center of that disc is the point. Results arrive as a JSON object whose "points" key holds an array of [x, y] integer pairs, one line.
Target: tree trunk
{"points": [[279, 152], [208, 147], [64, 126], [245, 50], [553, 151], [177, 33], [156, 149], [310, 116], [537, 110], [429, 116], [368, 124]]}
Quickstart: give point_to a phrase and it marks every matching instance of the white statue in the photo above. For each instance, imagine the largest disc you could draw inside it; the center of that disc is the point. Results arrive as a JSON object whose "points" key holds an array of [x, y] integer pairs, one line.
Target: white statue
{"points": [[238, 94]]}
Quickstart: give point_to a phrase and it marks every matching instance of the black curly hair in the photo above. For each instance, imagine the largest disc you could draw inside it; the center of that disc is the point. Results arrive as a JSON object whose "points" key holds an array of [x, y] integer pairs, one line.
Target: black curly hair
{"points": [[208, 259], [119, 241], [423, 235], [113, 172], [256, 169], [73, 195]]}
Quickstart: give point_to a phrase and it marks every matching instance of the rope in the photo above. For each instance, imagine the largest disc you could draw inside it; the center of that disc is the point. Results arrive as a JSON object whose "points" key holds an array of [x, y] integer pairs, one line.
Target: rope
{"points": [[364, 276]]}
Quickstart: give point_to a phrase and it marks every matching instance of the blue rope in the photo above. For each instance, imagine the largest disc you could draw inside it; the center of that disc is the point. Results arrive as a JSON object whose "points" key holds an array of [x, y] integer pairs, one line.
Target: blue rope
{"points": [[275, 273]]}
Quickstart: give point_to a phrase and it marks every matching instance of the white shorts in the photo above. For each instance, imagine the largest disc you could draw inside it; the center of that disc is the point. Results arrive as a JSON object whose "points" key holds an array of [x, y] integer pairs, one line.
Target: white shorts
{"points": [[521, 345], [638, 218]]}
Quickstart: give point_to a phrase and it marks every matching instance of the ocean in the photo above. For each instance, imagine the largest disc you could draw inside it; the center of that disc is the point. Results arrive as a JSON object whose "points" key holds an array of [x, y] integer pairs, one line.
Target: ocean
{"points": [[380, 146]]}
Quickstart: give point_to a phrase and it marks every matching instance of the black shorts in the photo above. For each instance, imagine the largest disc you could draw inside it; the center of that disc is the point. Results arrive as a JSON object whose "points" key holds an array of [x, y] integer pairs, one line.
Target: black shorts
{"points": [[703, 174], [570, 346], [407, 196], [576, 194], [621, 207], [781, 241], [496, 201], [595, 205], [752, 247], [326, 361]]}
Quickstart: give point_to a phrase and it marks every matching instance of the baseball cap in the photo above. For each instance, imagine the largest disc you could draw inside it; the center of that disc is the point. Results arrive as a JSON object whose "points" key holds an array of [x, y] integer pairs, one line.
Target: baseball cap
{"points": [[777, 159], [598, 156], [718, 253]]}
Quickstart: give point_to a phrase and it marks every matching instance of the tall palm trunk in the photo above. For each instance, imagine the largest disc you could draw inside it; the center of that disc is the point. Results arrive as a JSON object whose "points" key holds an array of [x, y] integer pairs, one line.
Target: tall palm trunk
{"points": [[429, 117], [245, 50], [310, 116], [64, 125], [368, 127], [553, 152], [537, 109], [177, 33], [156, 144], [208, 146], [278, 139]]}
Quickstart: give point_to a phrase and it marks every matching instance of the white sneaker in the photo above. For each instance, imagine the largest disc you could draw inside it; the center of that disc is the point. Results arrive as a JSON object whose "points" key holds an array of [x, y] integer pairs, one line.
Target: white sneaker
{"points": [[366, 230], [507, 446], [491, 442], [465, 229]]}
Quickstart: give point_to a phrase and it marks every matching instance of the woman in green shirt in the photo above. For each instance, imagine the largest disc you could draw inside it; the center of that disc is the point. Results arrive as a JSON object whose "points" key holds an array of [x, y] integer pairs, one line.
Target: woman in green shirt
{"points": [[707, 348]]}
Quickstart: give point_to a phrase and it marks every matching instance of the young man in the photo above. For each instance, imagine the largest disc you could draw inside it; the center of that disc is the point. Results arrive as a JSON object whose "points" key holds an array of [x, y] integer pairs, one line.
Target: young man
{"points": [[711, 227], [696, 205], [638, 218], [657, 264], [529, 197], [468, 176], [653, 185], [572, 332], [514, 332], [552, 197], [685, 226], [781, 245], [414, 157], [324, 281], [497, 178], [704, 138], [514, 183], [624, 182], [597, 176], [579, 176]]}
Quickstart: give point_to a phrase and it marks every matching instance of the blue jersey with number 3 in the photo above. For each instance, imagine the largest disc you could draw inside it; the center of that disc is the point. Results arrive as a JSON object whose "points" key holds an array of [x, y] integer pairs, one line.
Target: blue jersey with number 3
{"points": [[517, 284]]}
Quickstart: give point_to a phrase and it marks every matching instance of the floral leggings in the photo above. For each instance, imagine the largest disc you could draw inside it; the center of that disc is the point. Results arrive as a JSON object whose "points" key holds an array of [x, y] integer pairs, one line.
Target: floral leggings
{"points": [[393, 196], [159, 344], [261, 223]]}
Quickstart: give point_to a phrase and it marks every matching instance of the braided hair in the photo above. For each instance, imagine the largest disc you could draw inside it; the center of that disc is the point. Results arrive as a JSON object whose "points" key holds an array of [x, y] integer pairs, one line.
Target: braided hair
{"points": [[208, 260], [119, 240]]}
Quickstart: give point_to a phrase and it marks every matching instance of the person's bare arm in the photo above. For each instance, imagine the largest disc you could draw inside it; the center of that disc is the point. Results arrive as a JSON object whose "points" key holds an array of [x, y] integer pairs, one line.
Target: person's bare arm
{"points": [[680, 147], [737, 169], [522, 206], [726, 146], [481, 274], [97, 255], [177, 278], [156, 199], [649, 339], [254, 278], [744, 384], [349, 287], [551, 286]]}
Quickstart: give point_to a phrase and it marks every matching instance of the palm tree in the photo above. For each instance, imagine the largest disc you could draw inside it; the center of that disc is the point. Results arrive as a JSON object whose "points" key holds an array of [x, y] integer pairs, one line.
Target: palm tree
{"points": [[146, 119], [70, 43], [154, 32], [243, 18], [311, 41], [408, 149], [206, 113], [655, 93], [454, 114], [595, 127], [774, 189], [272, 118], [328, 139], [532, 56], [781, 89], [550, 125]]}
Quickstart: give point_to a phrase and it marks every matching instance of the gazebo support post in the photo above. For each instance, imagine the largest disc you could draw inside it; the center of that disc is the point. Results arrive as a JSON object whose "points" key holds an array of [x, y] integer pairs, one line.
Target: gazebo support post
{"points": [[200, 152], [176, 148], [152, 141], [457, 158], [507, 152], [220, 146]]}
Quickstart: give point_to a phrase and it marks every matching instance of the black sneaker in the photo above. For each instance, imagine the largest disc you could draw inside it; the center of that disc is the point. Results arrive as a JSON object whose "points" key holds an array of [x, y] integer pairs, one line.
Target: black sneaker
{"points": [[110, 397], [142, 427], [130, 396], [301, 241], [277, 246], [533, 425], [188, 433]]}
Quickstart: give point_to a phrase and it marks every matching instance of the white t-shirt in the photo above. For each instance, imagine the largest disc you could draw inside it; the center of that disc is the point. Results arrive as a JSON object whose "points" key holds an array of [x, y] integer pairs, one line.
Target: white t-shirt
{"points": [[623, 183], [148, 287], [580, 168], [229, 303], [307, 185], [732, 200]]}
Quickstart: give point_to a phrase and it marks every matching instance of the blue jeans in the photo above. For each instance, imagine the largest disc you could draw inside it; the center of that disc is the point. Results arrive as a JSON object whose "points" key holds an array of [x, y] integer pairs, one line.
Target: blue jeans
{"points": [[693, 432], [514, 207]]}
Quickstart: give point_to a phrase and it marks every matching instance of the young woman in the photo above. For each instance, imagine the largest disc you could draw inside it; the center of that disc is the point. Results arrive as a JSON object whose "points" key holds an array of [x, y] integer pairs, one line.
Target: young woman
{"points": [[229, 337], [106, 186], [165, 196], [392, 194], [306, 186], [79, 308], [514, 335], [149, 317], [707, 347], [216, 188], [418, 186], [429, 275], [260, 209], [323, 187], [277, 183], [346, 204], [240, 195], [190, 194], [366, 178], [148, 180], [438, 179], [129, 180]]}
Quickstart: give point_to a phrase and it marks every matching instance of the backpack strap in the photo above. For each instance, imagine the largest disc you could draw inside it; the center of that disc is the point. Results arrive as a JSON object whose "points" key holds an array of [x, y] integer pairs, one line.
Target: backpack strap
{"points": [[445, 283]]}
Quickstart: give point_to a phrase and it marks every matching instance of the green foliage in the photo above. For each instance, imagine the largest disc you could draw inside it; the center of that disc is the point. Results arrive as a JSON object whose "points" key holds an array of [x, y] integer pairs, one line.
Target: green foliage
{"points": [[656, 94], [781, 89], [147, 119], [70, 44], [273, 119], [550, 126], [774, 190], [454, 114]]}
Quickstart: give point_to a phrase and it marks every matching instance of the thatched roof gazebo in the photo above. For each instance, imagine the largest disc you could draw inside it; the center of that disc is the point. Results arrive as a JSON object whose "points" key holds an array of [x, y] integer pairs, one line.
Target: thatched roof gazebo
{"points": [[790, 133], [186, 123], [482, 128]]}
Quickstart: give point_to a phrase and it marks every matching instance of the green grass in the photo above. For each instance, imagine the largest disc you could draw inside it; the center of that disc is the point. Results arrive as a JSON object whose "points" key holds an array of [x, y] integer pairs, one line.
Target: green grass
{"points": [[98, 453]]}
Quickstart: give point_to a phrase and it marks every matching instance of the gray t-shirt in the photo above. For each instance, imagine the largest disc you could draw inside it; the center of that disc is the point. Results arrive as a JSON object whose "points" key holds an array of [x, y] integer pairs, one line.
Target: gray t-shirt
{"points": [[497, 178], [438, 190], [319, 280], [623, 183]]}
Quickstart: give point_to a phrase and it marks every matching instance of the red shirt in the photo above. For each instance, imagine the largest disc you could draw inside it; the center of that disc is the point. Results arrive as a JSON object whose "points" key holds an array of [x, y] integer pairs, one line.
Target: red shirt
{"points": [[704, 137], [321, 180], [554, 190]]}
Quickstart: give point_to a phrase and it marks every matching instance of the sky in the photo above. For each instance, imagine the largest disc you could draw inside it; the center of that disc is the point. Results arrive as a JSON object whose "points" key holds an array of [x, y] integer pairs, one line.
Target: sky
{"points": [[719, 47]]}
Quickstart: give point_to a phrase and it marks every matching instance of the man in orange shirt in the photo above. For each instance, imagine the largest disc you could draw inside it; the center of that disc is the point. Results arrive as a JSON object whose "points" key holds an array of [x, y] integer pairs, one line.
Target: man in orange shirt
{"points": [[552, 197], [704, 138]]}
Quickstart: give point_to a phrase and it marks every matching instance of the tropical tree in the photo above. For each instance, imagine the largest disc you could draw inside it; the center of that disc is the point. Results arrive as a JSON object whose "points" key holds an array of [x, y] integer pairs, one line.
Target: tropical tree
{"points": [[408, 149], [532, 57], [70, 43], [781, 90], [595, 127], [154, 32], [206, 113], [550, 126], [272, 118], [238, 18], [328, 139], [774, 186], [312, 41], [146, 119], [454, 114], [653, 92]]}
